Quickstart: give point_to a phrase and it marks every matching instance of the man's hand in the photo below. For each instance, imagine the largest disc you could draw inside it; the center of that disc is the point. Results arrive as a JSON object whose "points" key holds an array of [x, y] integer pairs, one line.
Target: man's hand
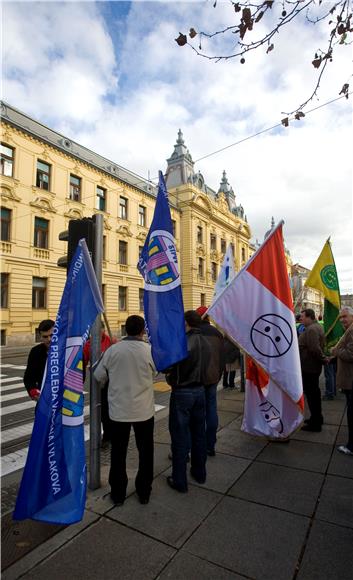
{"points": [[34, 394]]}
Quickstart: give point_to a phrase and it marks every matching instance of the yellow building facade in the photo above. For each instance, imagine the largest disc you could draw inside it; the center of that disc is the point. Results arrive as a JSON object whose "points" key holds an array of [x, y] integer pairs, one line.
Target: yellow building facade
{"points": [[47, 180]]}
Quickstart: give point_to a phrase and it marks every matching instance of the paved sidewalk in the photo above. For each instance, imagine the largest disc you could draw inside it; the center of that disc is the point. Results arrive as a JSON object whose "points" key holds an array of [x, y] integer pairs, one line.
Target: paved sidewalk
{"points": [[267, 511]]}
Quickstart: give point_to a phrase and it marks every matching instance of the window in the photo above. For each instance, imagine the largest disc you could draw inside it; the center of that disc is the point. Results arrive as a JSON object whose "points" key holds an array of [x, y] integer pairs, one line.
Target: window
{"points": [[122, 330], [140, 250], [41, 229], [201, 267], [202, 299], [122, 298], [243, 254], [223, 246], [101, 198], [142, 216], [199, 235], [233, 249], [214, 271], [123, 208], [103, 294], [43, 175], [213, 242], [122, 252], [5, 224], [6, 159], [39, 293], [174, 228], [75, 188], [141, 292], [3, 337], [4, 290], [104, 249]]}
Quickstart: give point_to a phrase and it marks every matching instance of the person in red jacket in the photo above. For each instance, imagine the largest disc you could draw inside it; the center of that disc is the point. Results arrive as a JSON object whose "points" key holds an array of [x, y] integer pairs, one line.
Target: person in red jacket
{"points": [[106, 342]]}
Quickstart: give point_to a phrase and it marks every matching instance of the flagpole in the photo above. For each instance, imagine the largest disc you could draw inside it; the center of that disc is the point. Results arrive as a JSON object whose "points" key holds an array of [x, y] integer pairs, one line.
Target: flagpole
{"points": [[95, 393]]}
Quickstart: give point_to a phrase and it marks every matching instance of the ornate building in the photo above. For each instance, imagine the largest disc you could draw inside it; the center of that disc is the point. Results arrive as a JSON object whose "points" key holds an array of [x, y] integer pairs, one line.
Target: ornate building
{"points": [[304, 296], [48, 179]]}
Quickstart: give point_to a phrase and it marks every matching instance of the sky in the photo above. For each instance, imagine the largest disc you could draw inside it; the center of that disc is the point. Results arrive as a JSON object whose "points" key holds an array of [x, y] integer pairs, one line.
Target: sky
{"points": [[110, 76]]}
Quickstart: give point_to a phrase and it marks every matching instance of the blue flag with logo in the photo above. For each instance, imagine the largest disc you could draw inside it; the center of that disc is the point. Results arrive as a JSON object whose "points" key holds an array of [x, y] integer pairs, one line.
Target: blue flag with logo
{"points": [[53, 486], [163, 300]]}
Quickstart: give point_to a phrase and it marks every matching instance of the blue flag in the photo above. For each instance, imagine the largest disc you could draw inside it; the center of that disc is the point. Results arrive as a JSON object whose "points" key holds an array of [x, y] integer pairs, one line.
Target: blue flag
{"points": [[53, 486], [163, 301]]}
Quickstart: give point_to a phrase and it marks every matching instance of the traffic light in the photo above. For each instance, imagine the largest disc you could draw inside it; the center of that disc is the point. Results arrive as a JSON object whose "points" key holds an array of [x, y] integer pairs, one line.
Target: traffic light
{"points": [[78, 229]]}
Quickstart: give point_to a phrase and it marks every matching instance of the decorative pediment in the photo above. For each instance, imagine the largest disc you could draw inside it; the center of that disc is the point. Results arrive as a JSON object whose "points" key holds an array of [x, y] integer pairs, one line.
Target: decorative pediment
{"points": [[106, 224], [141, 236], [8, 193], [124, 231], [43, 205], [214, 255], [200, 250], [222, 203], [74, 213], [203, 201]]}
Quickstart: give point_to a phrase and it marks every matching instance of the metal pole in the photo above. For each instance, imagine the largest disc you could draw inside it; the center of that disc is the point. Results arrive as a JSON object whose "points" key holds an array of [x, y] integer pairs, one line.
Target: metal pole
{"points": [[95, 394], [242, 373]]}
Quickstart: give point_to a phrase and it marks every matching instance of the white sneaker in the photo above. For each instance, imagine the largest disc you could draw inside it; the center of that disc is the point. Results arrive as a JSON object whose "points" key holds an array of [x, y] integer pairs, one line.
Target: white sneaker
{"points": [[345, 450]]}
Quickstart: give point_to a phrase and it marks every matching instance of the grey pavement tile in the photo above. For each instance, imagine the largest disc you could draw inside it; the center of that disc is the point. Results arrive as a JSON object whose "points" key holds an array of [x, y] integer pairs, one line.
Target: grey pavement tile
{"points": [[281, 487], [223, 471], [328, 554], [106, 550], [186, 566], [230, 405], [341, 464], [336, 502], [334, 417], [250, 539], [298, 454], [232, 441], [327, 435], [169, 516], [226, 417]]}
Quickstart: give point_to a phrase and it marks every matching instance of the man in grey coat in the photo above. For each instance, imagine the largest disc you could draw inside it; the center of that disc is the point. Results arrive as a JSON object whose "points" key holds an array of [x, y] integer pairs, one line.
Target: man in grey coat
{"points": [[344, 353]]}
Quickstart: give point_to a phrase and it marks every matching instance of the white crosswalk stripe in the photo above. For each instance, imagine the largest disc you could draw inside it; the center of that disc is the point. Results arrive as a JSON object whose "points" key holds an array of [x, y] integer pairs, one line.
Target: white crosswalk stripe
{"points": [[12, 387], [16, 408], [13, 396], [11, 380], [16, 367]]}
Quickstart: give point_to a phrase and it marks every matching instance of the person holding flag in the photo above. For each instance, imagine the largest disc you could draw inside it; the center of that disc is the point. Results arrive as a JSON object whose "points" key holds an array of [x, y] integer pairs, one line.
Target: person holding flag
{"points": [[53, 486], [226, 274], [323, 277], [163, 301], [256, 311]]}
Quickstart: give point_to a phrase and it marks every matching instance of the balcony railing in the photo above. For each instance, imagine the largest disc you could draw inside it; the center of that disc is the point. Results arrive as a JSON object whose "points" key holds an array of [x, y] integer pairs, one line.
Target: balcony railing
{"points": [[41, 253], [6, 247]]}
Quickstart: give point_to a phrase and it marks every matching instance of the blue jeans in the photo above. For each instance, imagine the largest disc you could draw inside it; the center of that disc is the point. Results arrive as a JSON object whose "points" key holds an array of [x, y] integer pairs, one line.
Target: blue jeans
{"points": [[211, 416], [330, 378], [187, 417]]}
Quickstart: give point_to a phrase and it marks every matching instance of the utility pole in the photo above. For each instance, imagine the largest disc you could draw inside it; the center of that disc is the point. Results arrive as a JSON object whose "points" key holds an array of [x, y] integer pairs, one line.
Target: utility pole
{"points": [[95, 393]]}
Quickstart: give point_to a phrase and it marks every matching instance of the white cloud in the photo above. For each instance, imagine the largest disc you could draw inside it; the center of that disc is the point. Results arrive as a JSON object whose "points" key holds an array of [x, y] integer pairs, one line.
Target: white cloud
{"points": [[124, 87]]}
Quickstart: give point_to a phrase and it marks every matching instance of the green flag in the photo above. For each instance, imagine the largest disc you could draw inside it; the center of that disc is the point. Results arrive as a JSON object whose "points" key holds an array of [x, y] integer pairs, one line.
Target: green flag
{"points": [[323, 277]]}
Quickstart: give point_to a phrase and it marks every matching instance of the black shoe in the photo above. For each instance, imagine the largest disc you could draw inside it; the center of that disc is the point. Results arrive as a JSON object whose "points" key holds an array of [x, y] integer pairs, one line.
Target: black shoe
{"points": [[211, 452], [226, 386], [201, 481], [105, 443], [144, 499], [313, 428], [170, 482], [328, 398], [308, 421], [117, 500]]}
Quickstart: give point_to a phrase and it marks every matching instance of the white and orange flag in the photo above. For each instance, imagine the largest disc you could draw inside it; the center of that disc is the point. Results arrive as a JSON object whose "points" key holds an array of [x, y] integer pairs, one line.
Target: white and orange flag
{"points": [[256, 311]]}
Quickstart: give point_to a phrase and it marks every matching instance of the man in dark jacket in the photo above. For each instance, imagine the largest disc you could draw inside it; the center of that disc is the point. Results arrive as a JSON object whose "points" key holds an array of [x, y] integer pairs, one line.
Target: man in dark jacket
{"points": [[214, 373], [312, 357], [187, 412], [37, 359]]}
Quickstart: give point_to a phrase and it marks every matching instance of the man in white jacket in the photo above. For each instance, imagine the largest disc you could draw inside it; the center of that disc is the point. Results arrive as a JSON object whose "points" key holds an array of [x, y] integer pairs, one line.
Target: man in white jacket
{"points": [[128, 367]]}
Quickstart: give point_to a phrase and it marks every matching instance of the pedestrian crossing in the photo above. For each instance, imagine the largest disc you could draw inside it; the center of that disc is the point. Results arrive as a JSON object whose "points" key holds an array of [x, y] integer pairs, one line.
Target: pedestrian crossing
{"points": [[16, 405]]}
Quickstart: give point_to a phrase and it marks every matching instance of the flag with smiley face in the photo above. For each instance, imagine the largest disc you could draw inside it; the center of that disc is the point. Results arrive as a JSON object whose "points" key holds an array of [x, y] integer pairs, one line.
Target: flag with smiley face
{"points": [[256, 310]]}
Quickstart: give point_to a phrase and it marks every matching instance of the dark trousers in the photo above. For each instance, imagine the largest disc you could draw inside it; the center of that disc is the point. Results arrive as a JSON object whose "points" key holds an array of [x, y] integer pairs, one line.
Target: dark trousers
{"points": [[105, 414], [187, 417], [313, 396], [211, 416], [349, 397], [120, 434], [231, 375]]}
